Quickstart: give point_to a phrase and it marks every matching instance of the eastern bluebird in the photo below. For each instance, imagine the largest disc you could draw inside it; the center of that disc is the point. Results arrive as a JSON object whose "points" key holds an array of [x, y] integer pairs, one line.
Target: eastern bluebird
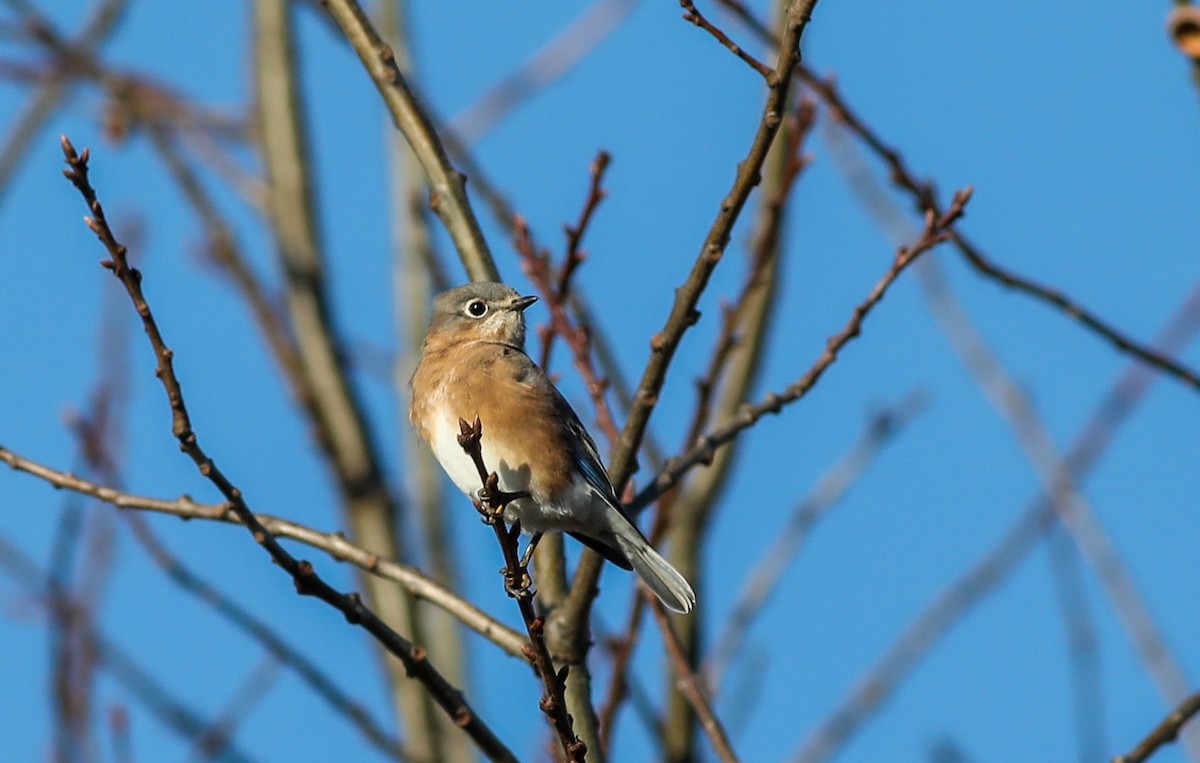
{"points": [[473, 363]]}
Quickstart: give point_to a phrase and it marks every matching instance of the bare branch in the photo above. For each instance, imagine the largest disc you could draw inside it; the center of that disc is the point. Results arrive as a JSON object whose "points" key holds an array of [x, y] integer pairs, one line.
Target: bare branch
{"points": [[307, 581], [702, 452], [334, 544], [447, 184]]}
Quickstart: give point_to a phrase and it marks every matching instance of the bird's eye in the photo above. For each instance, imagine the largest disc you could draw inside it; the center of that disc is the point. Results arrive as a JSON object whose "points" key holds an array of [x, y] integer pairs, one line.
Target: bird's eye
{"points": [[476, 308]]}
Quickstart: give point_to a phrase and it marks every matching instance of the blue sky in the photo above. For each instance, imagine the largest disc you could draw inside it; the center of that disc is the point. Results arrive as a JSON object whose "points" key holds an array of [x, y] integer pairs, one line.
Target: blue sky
{"points": [[1077, 129]]}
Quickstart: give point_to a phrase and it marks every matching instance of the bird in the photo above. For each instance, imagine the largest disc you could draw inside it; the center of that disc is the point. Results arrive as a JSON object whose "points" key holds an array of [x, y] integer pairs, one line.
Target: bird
{"points": [[473, 365]]}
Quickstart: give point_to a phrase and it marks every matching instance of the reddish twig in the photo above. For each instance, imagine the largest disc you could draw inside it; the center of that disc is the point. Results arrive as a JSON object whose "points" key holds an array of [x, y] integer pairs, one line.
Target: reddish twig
{"points": [[517, 582], [556, 289], [936, 231], [696, 17], [537, 266], [306, 579], [690, 685]]}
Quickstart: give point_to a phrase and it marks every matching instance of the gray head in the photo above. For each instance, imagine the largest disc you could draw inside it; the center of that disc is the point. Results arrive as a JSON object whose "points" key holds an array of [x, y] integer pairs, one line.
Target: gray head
{"points": [[486, 310]]}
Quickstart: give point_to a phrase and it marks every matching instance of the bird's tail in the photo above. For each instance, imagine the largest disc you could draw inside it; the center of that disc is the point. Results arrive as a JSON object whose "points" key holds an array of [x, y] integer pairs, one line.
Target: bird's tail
{"points": [[657, 573]]}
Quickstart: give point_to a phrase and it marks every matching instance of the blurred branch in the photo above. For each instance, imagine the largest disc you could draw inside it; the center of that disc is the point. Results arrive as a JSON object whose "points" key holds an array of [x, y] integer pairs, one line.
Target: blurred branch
{"points": [[1059, 482], [447, 185], [138, 681], [416, 276], [341, 424], [334, 544], [760, 584], [226, 252], [549, 64], [1083, 647], [253, 689], [99, 27], [691, 687], [1165, 732], [879, 682], [705, 448], [307, 581]]}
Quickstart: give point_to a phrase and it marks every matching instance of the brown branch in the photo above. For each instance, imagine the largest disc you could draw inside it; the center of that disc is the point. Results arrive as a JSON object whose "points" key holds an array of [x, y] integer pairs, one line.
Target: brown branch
{"points": [[448, 185], [705, 448], [696, 17], [725, 387], [537, 266], [690, 685], [1165, 732], [334, 544], [517, 582], [556, 292], [307, 581]]}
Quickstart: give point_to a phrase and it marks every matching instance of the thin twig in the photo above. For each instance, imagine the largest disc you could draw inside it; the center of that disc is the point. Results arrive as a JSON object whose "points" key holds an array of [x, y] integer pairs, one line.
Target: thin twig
{"points": [[307, 581], [517, 582], [683, 312], [1165, 732], [690, 13], [689, 683], [537, 266], [925, 199]]}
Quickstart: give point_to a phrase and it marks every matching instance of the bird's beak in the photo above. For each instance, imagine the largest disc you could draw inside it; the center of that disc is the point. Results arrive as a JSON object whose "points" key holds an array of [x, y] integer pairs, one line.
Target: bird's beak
{"points": [[520, 303]]}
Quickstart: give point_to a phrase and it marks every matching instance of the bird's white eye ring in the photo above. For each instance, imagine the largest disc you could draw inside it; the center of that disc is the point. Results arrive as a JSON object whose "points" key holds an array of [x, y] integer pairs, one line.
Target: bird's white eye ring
{"points": [[477, 308]]}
